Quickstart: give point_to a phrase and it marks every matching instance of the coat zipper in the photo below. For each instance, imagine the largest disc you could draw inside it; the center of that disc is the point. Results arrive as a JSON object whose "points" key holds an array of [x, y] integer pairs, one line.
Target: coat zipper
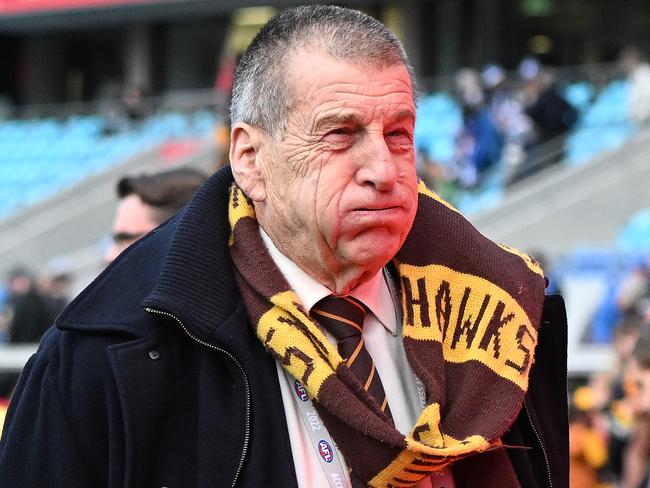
{"points": [[541, 444], [245, 378]]}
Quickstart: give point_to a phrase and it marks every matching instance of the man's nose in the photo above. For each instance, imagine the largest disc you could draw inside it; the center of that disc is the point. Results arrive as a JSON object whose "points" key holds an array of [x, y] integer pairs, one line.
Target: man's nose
{"points": [[379, 167]]}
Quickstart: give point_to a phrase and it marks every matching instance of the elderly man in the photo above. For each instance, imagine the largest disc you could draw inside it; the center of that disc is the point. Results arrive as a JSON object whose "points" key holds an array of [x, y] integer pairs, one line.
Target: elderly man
{"points": [[320, 320]]}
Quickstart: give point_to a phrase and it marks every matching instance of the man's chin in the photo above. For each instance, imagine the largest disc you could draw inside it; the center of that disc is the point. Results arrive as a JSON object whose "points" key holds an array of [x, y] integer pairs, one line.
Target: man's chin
{"points": [[370, 253]]}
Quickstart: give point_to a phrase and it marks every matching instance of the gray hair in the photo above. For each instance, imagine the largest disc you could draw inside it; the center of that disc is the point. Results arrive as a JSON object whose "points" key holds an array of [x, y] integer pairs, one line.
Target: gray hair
{"points": [[261, 94]]}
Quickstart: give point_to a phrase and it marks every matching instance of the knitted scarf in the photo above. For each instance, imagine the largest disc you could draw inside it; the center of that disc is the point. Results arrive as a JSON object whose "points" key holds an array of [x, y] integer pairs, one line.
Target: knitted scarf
{"points": [[471, 312]]}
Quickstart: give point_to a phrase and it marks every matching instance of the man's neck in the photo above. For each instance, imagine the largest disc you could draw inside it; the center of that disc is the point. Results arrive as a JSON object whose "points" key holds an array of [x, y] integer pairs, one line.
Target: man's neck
{"points": [[374, 293]]}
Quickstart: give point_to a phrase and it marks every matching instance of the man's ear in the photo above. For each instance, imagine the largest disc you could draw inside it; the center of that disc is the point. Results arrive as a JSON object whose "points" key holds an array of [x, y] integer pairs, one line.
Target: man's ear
{"points": [[245, 143]]}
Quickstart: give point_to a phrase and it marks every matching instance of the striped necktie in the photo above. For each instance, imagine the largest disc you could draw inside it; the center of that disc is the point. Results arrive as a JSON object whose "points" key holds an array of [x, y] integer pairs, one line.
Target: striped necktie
{"points": [[343, 317]]}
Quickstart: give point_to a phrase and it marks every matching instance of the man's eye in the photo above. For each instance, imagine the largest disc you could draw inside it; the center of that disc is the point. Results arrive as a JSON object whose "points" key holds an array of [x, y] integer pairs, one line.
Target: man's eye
{"points": [[340, 135], [399, 137], [399, 134], [340, 131]]}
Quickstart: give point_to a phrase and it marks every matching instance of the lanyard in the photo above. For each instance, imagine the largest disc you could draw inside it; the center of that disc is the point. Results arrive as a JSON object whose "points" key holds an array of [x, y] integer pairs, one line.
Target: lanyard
{"points": [[326, 451]]}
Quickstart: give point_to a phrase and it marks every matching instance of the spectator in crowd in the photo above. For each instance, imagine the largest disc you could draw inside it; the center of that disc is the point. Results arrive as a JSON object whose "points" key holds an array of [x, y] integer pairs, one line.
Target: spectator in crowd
{"points": [[506, 105], [28, 309], [637, 455], [134, 104], [109, 106], [551, 114], [146, 201], [588, 448], [55, 287], [634, 291], [122, 107], [619, 410], [210, 353], [637, 70], [480, 142]]}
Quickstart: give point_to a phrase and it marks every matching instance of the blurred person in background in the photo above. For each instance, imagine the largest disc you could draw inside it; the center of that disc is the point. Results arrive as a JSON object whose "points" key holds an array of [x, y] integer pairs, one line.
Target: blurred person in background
{"points": [[480, 142], [506, 105], [587, 442], [27, 308], [552, 117], [636, 467], [228, 347], [55, 287], [147, 200], [637, 70], [135, 105], [123, 108], [619, 411], [633, 294]]}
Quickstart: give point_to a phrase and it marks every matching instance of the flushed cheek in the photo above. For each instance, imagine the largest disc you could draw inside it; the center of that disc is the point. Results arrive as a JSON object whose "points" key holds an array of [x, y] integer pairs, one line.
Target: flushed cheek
{"points": [[328, 217]]}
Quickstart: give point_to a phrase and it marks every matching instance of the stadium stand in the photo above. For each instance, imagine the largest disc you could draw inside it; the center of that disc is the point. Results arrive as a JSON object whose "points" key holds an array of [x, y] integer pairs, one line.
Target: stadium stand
{"points": [[41, 157], [604, 125]]}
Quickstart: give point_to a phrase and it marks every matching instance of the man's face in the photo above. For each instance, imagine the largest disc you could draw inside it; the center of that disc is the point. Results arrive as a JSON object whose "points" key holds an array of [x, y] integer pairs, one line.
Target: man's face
{"points": [[133, 219], [340, 183]]}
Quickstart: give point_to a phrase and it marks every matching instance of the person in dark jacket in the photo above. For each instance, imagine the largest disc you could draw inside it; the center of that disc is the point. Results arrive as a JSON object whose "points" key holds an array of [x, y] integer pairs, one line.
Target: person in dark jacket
{"points": [[215, 351], [28, 308]]}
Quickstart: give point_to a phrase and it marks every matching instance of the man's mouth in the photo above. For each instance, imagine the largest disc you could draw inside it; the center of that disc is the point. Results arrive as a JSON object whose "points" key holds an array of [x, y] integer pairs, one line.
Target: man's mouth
{"points": [[378, 207]]}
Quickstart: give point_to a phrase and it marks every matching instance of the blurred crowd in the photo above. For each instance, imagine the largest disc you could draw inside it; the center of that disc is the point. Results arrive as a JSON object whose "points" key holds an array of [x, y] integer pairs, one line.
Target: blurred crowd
{"points": [[30, 302], [516, 123], [505, 122], [610, 412]]}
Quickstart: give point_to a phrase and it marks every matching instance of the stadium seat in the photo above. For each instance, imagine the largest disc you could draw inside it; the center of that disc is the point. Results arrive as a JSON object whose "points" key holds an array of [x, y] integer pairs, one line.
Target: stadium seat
{"points": [[40, 157]]}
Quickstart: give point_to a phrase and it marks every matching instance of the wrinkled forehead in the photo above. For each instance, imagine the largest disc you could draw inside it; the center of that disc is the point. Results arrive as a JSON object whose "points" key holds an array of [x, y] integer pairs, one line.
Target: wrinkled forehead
{"points": [[319, 82], [296, 54]]}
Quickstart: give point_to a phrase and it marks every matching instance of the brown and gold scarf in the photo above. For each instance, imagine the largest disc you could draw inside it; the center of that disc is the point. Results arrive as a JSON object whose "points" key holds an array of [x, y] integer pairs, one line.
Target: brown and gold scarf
{"points": [[471, 312]]}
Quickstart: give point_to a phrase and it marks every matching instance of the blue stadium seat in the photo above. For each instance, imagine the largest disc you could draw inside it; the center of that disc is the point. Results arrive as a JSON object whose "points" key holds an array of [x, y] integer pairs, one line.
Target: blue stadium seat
{"points": [[41, 157], [604, 126], [635, 235], [579, 95], [439, 122]]}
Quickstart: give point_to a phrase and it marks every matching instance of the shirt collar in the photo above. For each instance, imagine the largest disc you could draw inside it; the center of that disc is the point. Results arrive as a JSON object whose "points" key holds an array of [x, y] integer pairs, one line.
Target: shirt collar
{"points": [[373, 293]]}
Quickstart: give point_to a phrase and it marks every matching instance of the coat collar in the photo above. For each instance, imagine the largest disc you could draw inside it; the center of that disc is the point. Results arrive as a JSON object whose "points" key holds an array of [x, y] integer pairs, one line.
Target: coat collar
{"points": [[182, 268], [197, 283]]}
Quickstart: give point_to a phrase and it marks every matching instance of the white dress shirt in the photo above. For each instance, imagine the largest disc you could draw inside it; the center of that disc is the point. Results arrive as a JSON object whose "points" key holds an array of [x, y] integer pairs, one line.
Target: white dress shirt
{"points": [[381, 329]]}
